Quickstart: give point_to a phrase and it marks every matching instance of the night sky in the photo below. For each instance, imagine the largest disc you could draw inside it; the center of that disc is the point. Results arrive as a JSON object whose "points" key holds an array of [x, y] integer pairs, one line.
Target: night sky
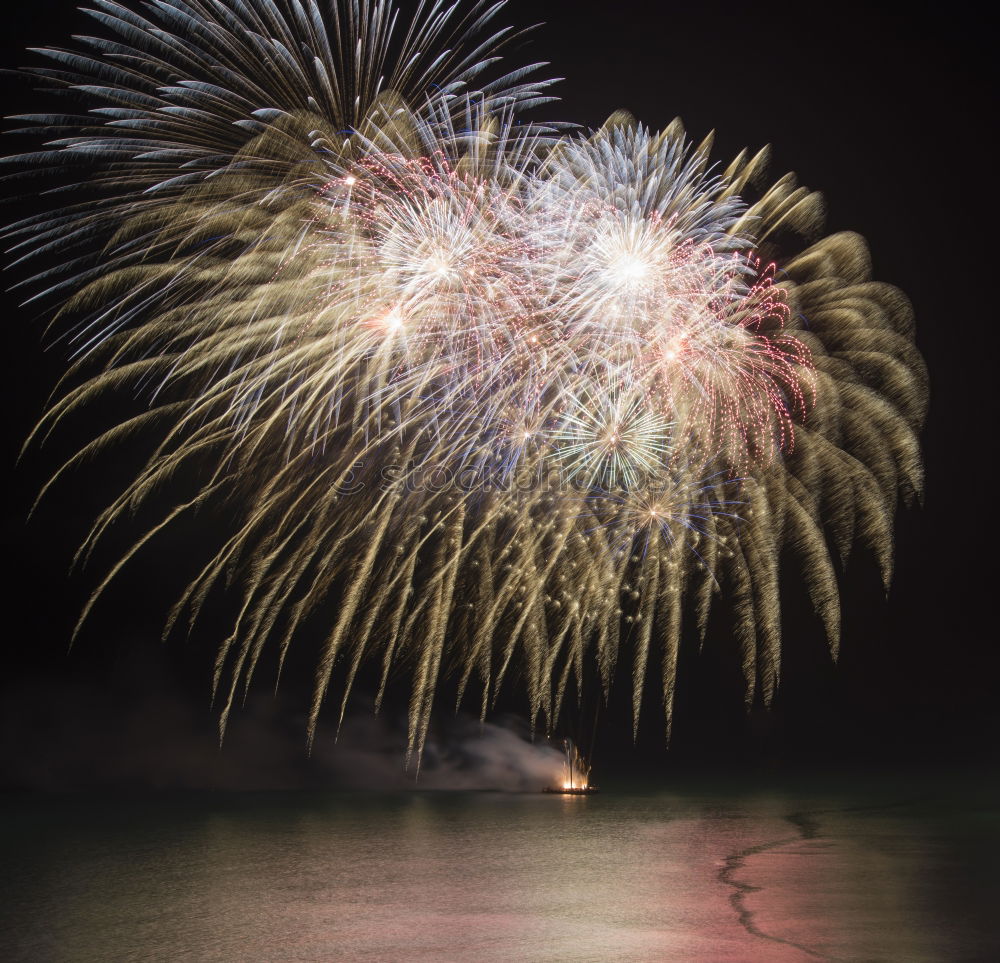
{"points": [[890, 118]]}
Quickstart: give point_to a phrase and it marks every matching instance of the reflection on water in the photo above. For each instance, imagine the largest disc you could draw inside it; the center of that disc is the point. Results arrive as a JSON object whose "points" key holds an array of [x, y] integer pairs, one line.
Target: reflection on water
{"points": [[890, 873]]}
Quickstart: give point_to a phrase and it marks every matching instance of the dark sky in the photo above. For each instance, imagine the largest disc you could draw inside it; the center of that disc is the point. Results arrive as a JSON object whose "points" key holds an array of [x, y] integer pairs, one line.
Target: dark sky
{"points": [[890, 117]]}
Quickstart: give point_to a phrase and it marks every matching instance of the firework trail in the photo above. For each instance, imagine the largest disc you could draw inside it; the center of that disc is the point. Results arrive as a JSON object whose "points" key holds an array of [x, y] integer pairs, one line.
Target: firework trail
{"points": [[486, 397]]}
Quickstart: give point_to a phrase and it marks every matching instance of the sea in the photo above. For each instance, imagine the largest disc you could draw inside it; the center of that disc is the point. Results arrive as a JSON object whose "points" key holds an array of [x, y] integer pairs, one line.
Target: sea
{"points": [[689, 869]]}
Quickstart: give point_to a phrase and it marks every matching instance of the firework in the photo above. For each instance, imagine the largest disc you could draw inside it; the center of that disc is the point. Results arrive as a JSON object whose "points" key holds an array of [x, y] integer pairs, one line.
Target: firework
{"points": [[491, 393]]}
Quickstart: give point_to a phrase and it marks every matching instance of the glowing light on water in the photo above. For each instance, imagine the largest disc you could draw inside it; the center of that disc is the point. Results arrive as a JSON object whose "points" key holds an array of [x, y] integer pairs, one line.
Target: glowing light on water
{"points": [[576, 770]]}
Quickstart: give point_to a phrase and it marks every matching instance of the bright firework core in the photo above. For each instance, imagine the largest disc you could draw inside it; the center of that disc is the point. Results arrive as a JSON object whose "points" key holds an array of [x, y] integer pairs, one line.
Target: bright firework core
{"points": [[615, 333], [629, 268]]}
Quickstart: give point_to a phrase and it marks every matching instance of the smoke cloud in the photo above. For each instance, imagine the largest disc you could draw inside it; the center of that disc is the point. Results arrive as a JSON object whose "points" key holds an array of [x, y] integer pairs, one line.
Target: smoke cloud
{"points": [[461, 754], [139, 733]]}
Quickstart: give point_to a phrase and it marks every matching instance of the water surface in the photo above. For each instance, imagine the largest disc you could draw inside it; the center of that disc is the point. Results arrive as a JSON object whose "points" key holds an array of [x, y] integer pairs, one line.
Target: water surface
{"points": [[893, 871]]}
